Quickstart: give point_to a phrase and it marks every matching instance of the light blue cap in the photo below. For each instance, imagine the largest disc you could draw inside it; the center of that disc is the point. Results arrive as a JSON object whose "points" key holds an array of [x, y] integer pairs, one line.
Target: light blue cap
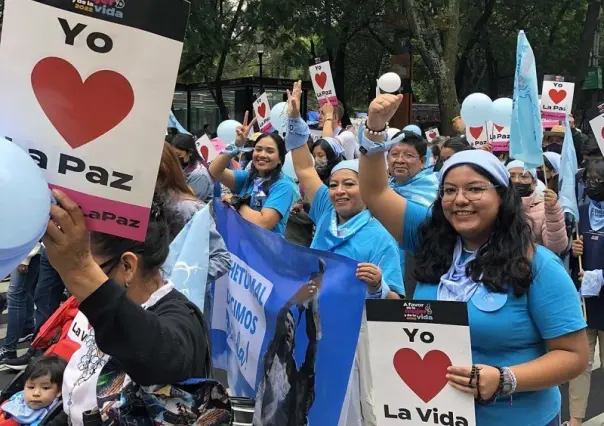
{"points": [[348, 164], [520, 164], [481, 158], [413, 129]]}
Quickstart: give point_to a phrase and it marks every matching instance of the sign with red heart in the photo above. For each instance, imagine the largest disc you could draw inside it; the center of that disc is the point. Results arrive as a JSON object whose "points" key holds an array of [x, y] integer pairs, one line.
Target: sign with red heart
{"points": [[499, 138], [322, 80], [262, 110], [206, 148], [477, 136], [73, 97], [597, 127], [556, 97], [418, 341], [432, 134]]}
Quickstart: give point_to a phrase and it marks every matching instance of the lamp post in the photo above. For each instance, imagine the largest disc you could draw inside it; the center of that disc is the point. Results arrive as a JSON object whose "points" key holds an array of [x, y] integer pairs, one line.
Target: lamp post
{"points": [[260, 50]]}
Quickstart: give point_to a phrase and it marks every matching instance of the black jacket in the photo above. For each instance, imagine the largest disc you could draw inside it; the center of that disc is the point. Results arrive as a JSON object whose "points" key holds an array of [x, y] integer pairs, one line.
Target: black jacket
{"points": [[166, 344]]}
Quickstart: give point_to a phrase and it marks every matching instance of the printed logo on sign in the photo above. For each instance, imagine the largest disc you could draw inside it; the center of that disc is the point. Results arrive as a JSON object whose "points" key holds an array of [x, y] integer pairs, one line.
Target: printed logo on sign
{"points": [[104, 7], [418, 312]]}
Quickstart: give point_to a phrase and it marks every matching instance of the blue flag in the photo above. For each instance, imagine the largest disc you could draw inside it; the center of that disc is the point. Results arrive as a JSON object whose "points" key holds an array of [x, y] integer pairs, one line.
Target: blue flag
{"points": [[526, 133], [568, 173], [289, 349], [173, 123], [187, 263]]}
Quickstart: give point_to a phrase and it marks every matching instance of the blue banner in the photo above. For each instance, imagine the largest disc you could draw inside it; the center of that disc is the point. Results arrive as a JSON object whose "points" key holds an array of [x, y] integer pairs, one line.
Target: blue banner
{"points": [[568, 173], [290, 351]]}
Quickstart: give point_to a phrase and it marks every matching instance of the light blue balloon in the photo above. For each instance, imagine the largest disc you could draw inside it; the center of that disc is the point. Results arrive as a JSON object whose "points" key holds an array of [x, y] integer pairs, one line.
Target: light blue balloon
{"points": [[227, 131], [476, 109], [25, 201], [501, 113], [278, 117]]}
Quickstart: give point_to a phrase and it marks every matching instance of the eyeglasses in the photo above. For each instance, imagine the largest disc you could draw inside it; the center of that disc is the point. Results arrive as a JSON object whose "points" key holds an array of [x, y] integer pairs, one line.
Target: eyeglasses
{"points": [[406, 155], [471, 193]]}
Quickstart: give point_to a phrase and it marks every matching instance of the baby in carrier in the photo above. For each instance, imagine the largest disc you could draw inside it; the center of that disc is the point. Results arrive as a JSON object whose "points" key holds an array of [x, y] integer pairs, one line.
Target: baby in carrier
{"points": [[42, 390]]}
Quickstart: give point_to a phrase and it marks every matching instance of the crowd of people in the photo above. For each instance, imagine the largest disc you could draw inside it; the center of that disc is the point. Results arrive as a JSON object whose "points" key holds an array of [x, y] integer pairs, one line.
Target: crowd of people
{"points": [[441, 221]]}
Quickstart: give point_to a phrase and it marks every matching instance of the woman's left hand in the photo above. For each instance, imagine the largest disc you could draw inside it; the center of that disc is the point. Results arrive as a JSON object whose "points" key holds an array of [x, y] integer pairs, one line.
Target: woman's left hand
{"points": [[226, 198], [459, 378], [550, 198], [67, 240], [370, 274]]}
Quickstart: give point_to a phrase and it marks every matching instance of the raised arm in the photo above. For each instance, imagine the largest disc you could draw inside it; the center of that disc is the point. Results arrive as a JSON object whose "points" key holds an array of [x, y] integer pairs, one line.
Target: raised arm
{"points": [[296, 142], [328, 127], [218, 168], [385, 204]]}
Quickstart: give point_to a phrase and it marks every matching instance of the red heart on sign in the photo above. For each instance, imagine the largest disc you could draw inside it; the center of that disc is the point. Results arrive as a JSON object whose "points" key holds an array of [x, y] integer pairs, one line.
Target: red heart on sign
{"points": [[499, 128], [81, 111], [321, 79], [204, 152], [432, 135], [425, 377], [262, 110], [557, 96], [602, 131], [476, 132]]}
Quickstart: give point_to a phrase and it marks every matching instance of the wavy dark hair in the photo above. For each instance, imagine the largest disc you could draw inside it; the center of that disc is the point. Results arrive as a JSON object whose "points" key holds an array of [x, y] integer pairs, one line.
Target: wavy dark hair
{"points": [[333, 158], [504, 262], [276, 172]]}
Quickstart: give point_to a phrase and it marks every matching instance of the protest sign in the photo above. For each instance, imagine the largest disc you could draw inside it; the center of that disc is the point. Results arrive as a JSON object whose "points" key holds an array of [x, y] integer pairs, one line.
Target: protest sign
{"points": [[263, 323], [86, 92], [597, 127], [206, 148], [477, 136], [316, 135], [418, 341], [322, 81], [556, 97], [499, 138], [262, 109], [432, 134]]}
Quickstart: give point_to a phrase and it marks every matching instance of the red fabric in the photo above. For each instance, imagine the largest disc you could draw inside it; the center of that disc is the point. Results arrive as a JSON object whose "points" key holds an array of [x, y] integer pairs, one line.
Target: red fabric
{"points": [[52, 337]]}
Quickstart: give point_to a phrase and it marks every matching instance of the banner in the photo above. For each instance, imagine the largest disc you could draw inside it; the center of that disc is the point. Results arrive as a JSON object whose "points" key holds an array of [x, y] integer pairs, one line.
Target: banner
{"points": [[279, 344], [556, 97], [432, 134], [418, 341], [85, 86], [262, 109], [322, 81]]}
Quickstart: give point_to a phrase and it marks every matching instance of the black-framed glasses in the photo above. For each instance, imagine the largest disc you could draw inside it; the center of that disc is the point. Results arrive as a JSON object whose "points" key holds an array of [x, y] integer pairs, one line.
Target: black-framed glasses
{"points": [[471, 193]]}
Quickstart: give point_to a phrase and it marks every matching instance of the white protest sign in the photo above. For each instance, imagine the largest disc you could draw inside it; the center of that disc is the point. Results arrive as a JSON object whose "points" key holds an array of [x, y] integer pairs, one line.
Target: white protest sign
{"points": [[244, 292], [499, 137], [556, 97], [86, 92], [477, 136], [411, 346], [316, 135], [322, 81], [432, 134], [597, 127], [206, 148], [262, 109]]}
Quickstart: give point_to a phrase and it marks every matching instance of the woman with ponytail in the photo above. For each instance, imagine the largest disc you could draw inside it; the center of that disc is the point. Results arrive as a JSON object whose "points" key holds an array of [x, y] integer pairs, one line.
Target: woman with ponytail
{"points": [[263, 194]]}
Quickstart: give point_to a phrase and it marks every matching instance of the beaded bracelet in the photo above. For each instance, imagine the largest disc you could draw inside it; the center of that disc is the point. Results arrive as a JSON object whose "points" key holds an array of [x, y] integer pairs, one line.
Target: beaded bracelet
{"points": [[382, 132]]}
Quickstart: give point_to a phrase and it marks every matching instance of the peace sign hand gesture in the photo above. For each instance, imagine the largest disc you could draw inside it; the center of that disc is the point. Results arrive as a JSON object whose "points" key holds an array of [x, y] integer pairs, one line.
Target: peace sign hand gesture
{"points": [[244, 130], [381, 111], [293, 100]]}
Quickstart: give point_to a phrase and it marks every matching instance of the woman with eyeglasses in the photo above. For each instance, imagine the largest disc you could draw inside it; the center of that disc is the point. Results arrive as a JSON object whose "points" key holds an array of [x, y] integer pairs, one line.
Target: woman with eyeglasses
{"points": [[590, 248], [544, 214], [344, 226], [130, 318], [474, 247], [263, 195]]}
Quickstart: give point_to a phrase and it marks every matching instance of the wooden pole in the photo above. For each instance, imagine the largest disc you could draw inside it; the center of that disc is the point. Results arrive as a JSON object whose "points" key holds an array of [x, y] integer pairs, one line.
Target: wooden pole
{"points": [[580, 271]]}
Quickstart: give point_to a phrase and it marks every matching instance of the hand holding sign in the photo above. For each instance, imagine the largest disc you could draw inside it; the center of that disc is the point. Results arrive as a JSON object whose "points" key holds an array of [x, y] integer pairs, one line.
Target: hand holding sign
{"points": [[459, 378]]}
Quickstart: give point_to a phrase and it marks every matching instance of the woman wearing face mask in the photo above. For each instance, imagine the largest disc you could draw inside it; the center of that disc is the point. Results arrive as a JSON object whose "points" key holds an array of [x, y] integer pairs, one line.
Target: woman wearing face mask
{"points": [[327, 154], [590, 247], [544, 215], [344, 226], [553, 139], [263, 194], [549, 172], [474, 246], [135, 322], [194, 166]]}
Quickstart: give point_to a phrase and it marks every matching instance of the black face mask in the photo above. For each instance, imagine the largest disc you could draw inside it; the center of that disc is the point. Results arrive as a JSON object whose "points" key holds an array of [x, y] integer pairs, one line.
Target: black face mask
{"points": [[438, 165], [523, 189], [595, 193], [541, 175], [554, 147]]}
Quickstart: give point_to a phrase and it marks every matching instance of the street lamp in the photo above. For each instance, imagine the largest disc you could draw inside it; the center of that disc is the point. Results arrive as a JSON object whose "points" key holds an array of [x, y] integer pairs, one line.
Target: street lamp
{"points": [[260, 50]]}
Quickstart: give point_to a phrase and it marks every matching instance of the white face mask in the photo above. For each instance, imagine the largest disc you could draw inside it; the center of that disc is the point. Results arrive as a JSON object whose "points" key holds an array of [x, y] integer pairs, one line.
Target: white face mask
{"points": [[321, 163]]}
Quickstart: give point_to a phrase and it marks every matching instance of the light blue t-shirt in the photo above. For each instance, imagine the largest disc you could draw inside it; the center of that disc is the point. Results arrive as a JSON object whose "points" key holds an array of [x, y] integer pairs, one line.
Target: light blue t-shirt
{"points": [[516, 333], [370, 244], [281, 196]]}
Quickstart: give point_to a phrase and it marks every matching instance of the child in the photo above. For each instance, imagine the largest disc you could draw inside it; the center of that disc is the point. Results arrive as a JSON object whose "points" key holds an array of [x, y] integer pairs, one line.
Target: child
{"points": [[42, 390]]}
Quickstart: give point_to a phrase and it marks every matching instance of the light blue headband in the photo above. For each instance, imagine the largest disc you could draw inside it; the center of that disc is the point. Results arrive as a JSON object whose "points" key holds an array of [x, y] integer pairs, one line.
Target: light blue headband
{"points": [[481, 158], [346, 165], [337, 148]]}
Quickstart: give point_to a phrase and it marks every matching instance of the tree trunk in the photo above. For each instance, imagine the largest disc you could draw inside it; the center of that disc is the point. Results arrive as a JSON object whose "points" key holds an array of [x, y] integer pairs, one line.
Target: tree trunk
{"points": [[585, 45], [439, 56]]}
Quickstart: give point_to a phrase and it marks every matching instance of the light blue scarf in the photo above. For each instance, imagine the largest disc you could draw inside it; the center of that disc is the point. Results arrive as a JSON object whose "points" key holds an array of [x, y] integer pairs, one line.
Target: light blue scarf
{"points": [[455, 285], [596, 215], [339, 234], [421, 188], [24, 415]]}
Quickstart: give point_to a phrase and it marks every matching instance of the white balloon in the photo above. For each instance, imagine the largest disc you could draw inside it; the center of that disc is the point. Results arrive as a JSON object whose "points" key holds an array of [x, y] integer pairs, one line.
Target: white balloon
{"points": [[227, 131], [502, 111], [278, 117], [288, 166], [476, 109], [390, 82]]}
